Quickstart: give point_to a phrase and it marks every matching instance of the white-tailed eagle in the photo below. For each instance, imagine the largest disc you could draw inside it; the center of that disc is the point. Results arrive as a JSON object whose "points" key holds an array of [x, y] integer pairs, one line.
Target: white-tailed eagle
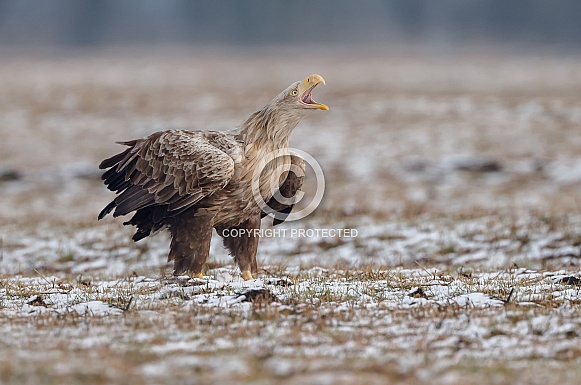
{"points": [[192, 182]]}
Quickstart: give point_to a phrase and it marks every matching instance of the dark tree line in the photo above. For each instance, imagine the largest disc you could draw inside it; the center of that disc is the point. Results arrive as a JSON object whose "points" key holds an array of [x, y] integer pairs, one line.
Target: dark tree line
{"points": [[99, 22]]}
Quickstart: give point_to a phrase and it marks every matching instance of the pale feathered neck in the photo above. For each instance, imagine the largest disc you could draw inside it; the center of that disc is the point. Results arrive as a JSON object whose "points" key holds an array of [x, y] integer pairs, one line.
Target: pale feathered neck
{"points": [[269, 127]]}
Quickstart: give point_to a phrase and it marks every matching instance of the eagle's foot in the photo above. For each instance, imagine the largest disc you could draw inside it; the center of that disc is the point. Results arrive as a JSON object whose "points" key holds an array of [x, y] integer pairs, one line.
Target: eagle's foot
{"points": [[198, 275], [247, 275]]}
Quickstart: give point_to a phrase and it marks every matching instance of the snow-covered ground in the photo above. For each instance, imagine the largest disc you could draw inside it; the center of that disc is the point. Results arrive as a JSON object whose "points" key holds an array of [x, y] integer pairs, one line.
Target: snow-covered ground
{"points": [[480, 243], [458, 180], [295, 326]]}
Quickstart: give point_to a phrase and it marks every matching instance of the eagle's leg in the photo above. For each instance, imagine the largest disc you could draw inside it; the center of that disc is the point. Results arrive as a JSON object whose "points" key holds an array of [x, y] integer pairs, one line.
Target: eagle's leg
{"points": [[242, 242], [191, 234]]}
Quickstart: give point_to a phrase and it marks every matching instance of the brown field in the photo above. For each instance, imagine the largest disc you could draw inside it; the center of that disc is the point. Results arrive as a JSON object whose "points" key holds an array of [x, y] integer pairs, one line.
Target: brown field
{"points": [[461, 174]]}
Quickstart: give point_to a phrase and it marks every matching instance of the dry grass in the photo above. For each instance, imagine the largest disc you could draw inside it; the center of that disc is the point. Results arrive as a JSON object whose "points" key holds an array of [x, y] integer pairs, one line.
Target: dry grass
{"points": [[372, 325]]}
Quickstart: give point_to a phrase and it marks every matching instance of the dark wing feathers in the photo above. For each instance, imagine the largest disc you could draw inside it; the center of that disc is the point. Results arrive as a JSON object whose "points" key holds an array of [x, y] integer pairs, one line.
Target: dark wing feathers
{"points": [[289, 188], [136, 199], [285, 213], [173, 168], [112, 161], [106, 210]]}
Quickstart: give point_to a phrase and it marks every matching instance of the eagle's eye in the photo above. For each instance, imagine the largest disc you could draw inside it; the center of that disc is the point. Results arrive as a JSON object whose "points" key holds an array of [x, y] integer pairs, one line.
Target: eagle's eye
{"points": [[294, 92]]}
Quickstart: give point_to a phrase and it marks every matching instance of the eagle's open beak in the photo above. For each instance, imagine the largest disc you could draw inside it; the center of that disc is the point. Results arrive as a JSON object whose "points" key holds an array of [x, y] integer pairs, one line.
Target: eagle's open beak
{"points": [[305, 89]]}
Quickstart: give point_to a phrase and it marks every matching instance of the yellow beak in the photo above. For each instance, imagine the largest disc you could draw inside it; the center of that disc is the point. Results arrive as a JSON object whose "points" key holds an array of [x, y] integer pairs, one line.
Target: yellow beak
{"points": [[305, 89]]}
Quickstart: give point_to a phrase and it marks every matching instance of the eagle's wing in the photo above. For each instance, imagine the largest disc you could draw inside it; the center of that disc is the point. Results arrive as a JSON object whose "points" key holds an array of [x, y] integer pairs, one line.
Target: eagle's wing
{"points": [[174, 169], [288, 189]]}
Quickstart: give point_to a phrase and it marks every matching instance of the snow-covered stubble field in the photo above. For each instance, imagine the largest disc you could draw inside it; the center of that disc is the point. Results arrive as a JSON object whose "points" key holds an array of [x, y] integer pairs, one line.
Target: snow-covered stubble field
{"points": [[461, 176]]}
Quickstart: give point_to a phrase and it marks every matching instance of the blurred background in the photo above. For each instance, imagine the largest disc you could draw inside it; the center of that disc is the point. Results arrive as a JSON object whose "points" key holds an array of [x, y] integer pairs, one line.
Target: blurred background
{"points": [[440, 107], [382, 23]]}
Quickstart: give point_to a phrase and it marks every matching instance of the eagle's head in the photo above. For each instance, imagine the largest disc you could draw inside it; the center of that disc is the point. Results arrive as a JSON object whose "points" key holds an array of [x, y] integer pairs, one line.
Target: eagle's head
{"points": [[298, 96], [281, 115]]}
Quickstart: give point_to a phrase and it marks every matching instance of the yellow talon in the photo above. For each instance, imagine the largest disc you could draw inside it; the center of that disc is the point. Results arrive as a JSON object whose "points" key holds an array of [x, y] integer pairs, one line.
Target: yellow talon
{"points": [[198, 275], [246, 275]]}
